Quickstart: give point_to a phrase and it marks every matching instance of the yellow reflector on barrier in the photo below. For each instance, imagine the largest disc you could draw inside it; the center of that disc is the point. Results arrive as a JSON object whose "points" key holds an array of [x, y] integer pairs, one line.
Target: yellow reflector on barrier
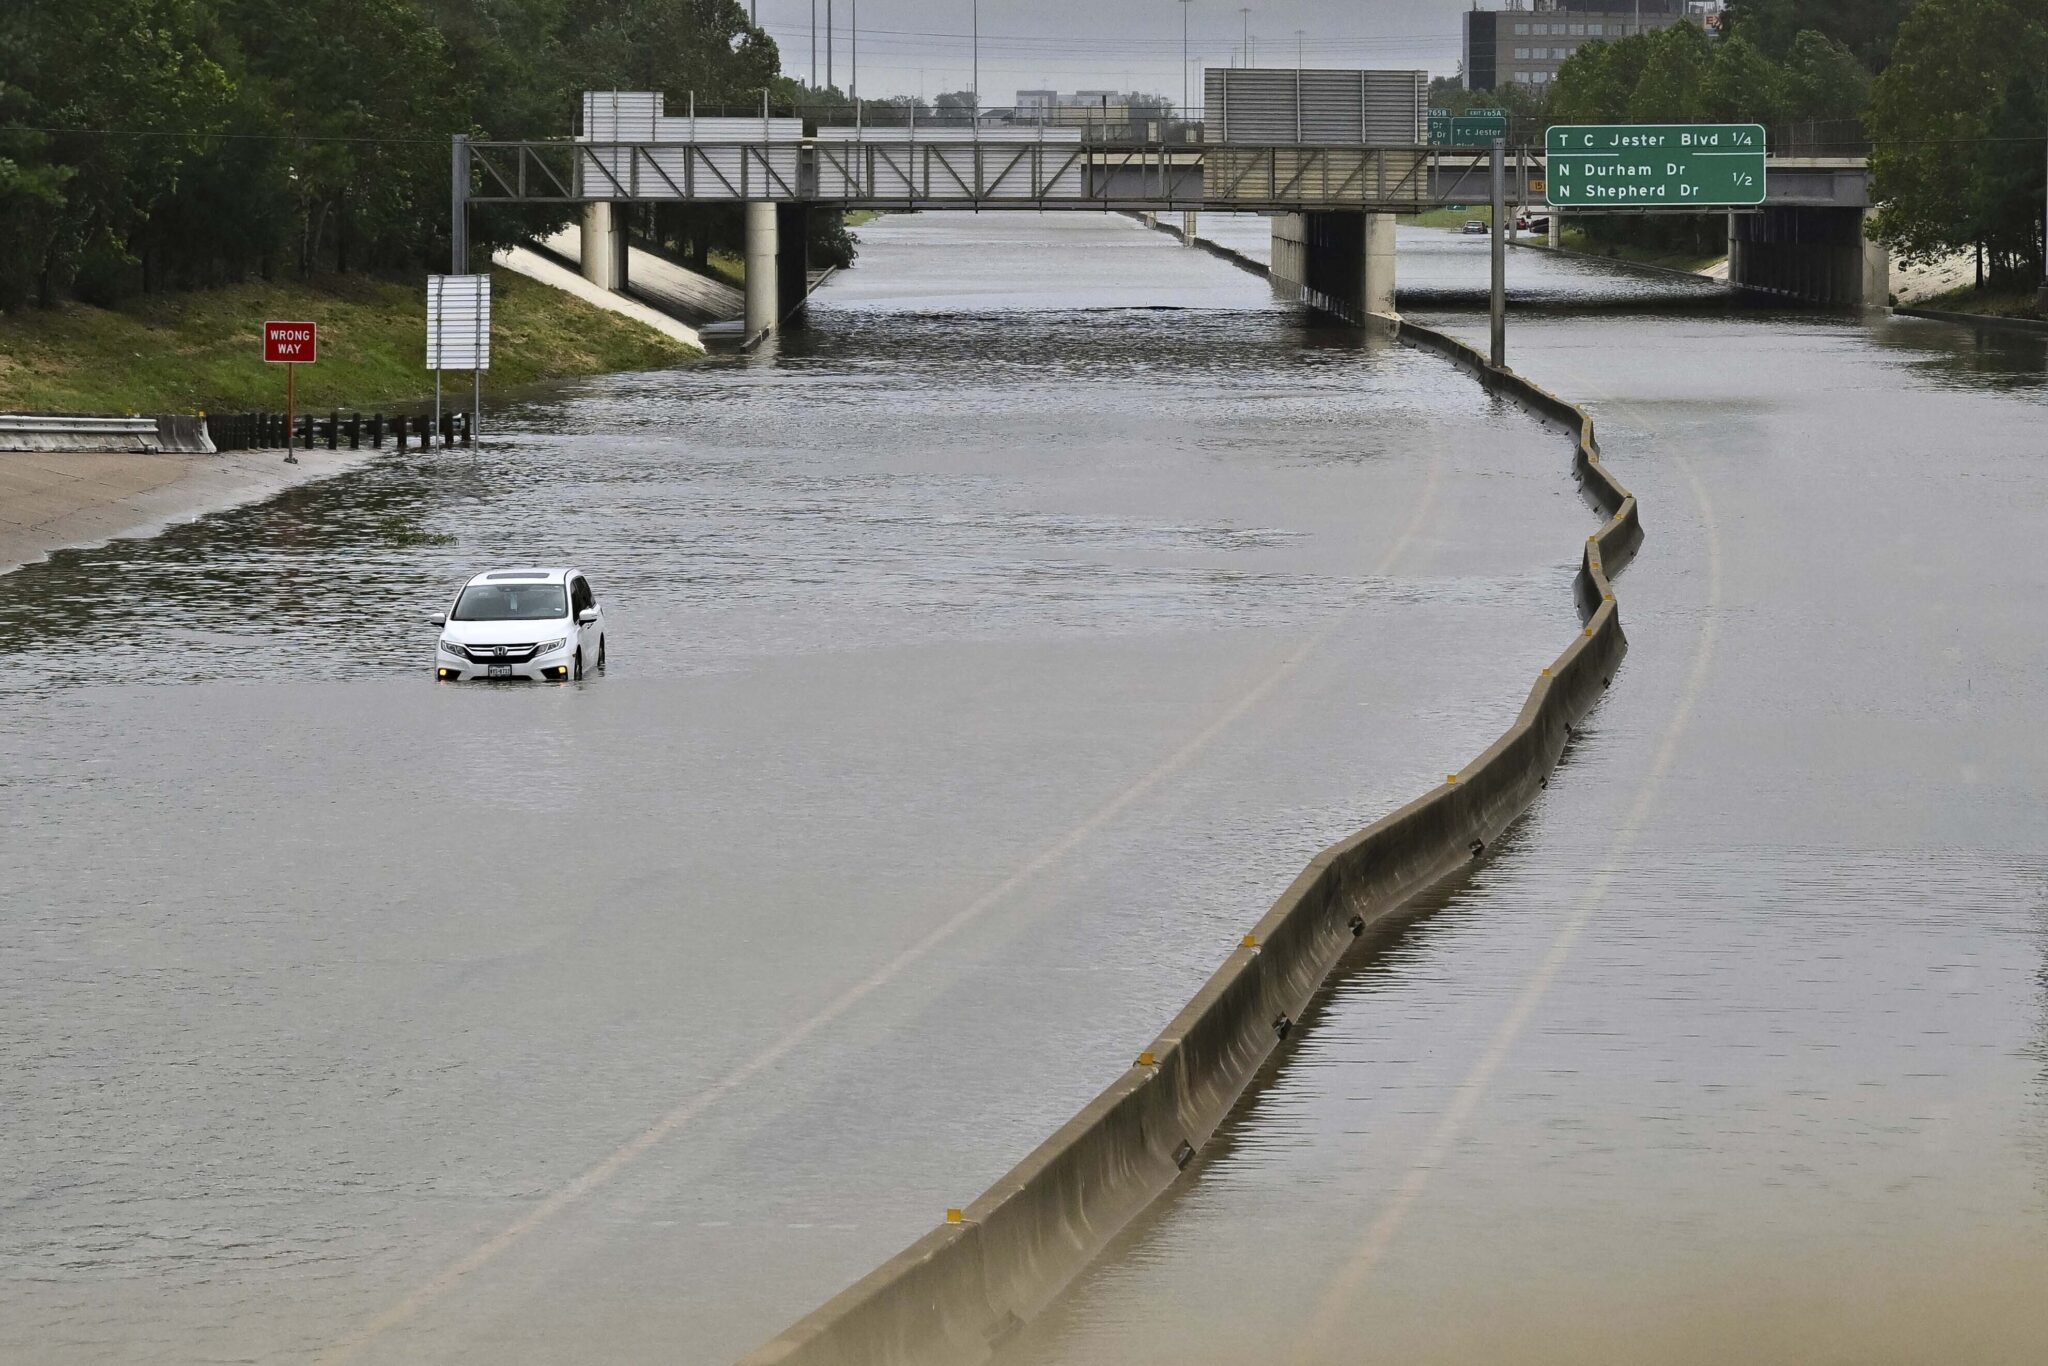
{"points": [[952, 1216], [1250, 941], [1146, 1059]]}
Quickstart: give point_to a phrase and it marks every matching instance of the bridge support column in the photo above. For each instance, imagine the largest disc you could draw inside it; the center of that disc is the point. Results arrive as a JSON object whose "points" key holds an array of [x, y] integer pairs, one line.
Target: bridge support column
{"points": [[1340, 262], [1187, 229], [604, 245], [1557, 227], [764, 293], [1380, 263], [1290, 255], [1877, 268]]}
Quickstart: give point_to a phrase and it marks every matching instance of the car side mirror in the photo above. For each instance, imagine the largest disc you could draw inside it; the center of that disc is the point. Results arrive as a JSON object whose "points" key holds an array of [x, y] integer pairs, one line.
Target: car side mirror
{"points": [[438, 619], [587, 617]]}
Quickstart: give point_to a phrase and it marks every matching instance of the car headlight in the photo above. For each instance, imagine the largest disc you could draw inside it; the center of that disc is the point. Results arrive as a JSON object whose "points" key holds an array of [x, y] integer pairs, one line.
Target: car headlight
{"points": [[548, 647], [449, 647]]}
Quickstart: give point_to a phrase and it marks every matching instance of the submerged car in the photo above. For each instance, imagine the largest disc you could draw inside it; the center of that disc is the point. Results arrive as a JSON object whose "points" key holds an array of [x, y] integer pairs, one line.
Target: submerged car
{"points": [[536, 624], [1475, 227]]}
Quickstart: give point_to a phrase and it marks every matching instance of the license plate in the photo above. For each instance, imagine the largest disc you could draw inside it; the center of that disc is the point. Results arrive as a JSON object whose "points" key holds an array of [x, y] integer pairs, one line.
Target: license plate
{"points": [[500, 671]]}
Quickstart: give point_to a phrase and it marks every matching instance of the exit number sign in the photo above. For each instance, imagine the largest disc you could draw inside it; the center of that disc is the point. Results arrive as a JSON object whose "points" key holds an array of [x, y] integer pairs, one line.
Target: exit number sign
{"points": [[291, 343], [1655, 165]]}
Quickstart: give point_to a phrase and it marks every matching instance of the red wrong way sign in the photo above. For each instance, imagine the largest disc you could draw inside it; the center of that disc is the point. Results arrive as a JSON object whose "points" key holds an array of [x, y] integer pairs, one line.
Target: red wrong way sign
{"points": [[291, 343]]}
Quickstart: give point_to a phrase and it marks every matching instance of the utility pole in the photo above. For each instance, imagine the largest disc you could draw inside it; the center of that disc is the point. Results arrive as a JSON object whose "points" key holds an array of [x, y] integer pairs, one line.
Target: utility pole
{"points": [[855, 81], [814, 44], [1297, 50], [975, 86], [829, 84], [1246, 11]]}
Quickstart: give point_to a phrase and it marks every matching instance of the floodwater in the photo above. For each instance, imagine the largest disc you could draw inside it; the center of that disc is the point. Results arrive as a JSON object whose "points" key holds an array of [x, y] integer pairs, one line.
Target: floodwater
{"points": [[982, 664], [1737, 1050]]}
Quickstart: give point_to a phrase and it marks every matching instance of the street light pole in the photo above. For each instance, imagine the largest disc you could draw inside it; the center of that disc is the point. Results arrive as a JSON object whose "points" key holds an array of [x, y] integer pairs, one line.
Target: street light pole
{"points": [[976, 86], [1246, 11], [1184, 74]]}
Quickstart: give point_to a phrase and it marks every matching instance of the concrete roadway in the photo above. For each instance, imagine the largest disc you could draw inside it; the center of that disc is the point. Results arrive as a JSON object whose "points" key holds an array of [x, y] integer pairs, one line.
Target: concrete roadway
{"points": [[983, 665]]}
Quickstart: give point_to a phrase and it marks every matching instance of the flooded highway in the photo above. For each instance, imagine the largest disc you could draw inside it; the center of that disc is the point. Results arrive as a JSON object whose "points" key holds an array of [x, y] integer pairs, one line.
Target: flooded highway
{"points": [[980, 666], [1738, 1049]]}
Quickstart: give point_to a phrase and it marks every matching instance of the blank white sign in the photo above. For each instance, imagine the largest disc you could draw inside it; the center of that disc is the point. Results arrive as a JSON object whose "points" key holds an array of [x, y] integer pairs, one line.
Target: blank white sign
{"points": [[458, 322]]}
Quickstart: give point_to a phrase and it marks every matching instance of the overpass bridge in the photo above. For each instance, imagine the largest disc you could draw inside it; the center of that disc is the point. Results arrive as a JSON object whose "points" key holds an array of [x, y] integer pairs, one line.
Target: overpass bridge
{"points": [[1333, 203]]}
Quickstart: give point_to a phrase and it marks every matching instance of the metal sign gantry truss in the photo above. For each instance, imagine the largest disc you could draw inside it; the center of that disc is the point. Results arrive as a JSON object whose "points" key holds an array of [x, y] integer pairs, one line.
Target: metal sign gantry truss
{"points": [[987, 174]]}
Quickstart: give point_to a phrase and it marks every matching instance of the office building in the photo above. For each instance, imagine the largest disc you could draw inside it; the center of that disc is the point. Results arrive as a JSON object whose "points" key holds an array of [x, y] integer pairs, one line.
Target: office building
{"points": [[1525, 42]]}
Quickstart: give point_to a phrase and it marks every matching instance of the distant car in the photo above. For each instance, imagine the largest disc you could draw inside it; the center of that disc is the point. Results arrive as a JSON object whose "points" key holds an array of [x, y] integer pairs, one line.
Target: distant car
{"points": [[1475, 228], [537, 624]]}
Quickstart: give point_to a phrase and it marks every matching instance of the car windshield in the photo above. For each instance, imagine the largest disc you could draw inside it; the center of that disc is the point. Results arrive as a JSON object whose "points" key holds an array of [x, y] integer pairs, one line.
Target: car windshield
{"points": [[511, 602]]}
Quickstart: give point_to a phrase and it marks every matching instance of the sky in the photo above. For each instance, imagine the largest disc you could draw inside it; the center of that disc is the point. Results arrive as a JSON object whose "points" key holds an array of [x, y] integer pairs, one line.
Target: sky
{"points": [[908, 47]]}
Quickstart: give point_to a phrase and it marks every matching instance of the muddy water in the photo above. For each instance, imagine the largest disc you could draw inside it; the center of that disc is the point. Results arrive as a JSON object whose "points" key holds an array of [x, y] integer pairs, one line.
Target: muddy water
{"points": [[1738, 1049], [981, 665]]}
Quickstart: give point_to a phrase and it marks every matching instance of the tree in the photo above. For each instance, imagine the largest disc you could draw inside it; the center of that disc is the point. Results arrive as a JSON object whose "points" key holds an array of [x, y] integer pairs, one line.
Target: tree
{"points": [[1867, 28], [1741, 86], [1823, 79], [1958, 118], [1597, 83], [1669, 89]]}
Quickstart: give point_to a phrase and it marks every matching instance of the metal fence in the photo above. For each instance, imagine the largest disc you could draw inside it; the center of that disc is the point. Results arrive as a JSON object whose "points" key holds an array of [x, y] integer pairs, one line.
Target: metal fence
{"points": [[269, 431]]}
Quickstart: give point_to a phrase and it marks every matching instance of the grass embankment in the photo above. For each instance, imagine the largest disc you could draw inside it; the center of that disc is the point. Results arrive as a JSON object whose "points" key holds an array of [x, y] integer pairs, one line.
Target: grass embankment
{"points": [[1574, 239], [202, 350], [1990, 303], [727, 266], [1452, 218]]}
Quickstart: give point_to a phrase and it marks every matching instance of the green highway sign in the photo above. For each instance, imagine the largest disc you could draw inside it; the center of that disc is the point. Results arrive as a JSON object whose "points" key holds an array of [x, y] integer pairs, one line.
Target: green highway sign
{"points": [[1477, 128], [1655, 165]]}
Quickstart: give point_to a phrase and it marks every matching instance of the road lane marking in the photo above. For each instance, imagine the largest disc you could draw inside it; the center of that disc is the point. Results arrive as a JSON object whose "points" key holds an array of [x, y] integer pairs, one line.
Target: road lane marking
{"points": [[1321, 1343], [626, 1153]]}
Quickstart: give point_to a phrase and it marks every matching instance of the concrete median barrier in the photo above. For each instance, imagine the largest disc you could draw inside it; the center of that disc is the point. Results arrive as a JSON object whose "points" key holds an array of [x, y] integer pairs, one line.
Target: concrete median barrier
{"points": [[955, 1295], [184, 436]]}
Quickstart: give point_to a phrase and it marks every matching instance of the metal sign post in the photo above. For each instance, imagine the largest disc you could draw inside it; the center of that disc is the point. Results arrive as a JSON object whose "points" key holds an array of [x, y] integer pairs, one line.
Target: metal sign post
{"points": [[1498, 301], [290, 345]]}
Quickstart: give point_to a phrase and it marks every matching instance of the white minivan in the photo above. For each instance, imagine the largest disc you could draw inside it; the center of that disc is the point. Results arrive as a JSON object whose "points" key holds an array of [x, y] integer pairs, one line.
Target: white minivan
{"points": [[537, 624]]}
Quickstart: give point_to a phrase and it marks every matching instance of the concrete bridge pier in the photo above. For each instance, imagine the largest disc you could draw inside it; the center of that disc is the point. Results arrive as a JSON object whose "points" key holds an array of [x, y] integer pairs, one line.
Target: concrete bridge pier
{"points": [[604, 245], [1821, 256], [764, 250], [1341, 262]]}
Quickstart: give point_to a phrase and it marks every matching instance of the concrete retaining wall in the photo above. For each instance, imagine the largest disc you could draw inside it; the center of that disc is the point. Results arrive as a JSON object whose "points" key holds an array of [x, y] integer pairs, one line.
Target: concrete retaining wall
{"points": [[954, 1295]]}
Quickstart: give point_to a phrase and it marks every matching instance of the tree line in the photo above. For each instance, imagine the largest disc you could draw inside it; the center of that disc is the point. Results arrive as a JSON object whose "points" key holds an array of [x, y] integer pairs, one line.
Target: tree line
{"points": [[166, 144], [1949, 96]]}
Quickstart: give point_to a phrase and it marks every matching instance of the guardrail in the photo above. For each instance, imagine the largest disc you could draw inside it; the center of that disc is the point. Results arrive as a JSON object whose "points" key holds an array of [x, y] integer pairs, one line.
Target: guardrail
{"points": [[35, 432]]}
